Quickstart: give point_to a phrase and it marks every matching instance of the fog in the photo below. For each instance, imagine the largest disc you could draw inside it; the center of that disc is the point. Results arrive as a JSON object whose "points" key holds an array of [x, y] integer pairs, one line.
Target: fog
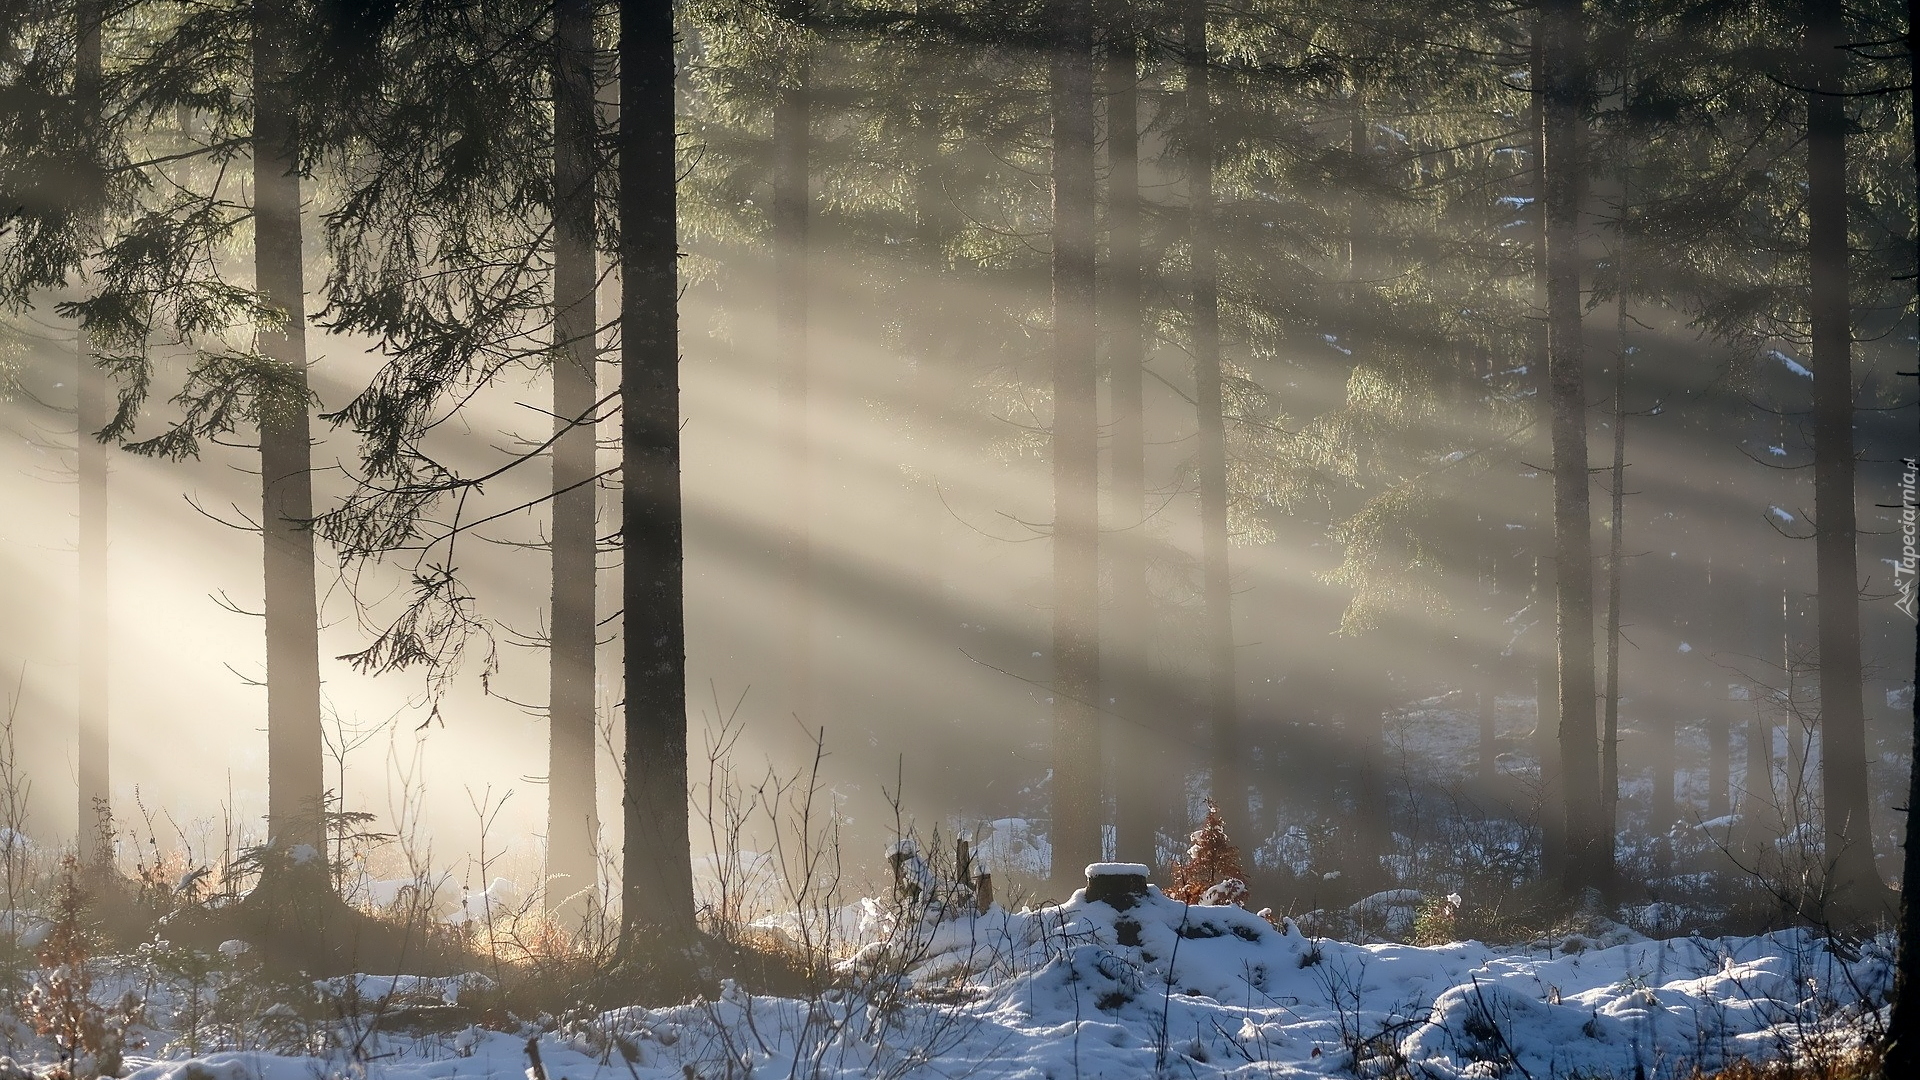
{"points": [[929, 500]]}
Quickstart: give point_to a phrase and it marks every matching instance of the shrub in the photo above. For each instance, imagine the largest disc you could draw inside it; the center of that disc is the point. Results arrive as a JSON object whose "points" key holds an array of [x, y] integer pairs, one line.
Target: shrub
{"points": [[1212, 861], [60, 1006]]}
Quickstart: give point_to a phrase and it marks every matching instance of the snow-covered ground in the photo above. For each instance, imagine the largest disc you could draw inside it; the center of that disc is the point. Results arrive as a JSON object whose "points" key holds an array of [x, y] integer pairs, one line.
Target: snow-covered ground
{"points": [[1162, 988]]}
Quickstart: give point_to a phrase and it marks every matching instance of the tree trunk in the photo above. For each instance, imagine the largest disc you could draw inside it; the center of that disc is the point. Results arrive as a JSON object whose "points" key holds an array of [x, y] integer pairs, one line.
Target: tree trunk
{"points": [[295, 774], [1367, 705], [1565, 67], [1799, 723], [573, 820], [1662, 809], [1546, 745], [92, 412], [1136, 776], [792, 131], [1756, 798], [1077, 804], [1719, 758], [1854, 882], [656, 869], [1229, 784], [1903, 1026], [1372, 804], [1616, 537], [1732, 635]]}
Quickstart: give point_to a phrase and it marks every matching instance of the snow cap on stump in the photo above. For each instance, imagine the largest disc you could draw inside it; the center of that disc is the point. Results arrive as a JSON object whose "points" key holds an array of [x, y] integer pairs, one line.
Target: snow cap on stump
{"points": [[1119, 885]]}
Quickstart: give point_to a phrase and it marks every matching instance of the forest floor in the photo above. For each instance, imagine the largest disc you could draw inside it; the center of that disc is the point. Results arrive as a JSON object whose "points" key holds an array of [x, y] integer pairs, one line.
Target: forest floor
{"points": [[1077, 990], [1667, 987]]}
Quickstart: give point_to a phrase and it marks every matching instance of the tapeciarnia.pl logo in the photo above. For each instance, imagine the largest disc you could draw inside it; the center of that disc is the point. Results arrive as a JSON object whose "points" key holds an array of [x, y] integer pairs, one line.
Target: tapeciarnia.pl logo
{"points": [[1904, 570]]}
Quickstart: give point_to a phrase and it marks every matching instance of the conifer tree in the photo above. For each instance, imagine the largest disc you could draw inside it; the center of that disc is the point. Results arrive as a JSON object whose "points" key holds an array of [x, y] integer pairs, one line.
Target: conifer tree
{"points": [[572, 795], [1902, 1056], [656, 865], [91, 415], [295, 780], [1127, 640], [1077, 802], [1229, 784], [1855, 883], [792, 206], [58, 191], [1563, 98]]}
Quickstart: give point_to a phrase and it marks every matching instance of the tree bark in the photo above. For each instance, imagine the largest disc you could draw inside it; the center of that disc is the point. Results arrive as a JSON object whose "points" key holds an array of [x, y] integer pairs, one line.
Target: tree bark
{"points": [[1903, 1025], [1546, 744], [1136, 785], [1077, 803], [792, 142], [573, 819], [92, 412], [1229, 783], [1616, 538], [1565, 67], [1854, 883], [656, 867], [295, 771]]}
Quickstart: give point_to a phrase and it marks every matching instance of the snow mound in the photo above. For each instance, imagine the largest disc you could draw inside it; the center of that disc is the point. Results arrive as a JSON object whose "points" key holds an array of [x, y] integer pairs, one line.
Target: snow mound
{"points": [[1163, 988]]}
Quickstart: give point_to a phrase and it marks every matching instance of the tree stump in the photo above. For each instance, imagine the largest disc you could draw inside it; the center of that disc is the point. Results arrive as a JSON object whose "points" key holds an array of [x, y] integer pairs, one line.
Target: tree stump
{"points": [[1117, 885]]}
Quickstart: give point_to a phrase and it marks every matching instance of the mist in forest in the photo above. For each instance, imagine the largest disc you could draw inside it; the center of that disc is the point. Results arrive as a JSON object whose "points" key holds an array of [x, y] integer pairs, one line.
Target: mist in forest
{"points": [[1350, 452]]}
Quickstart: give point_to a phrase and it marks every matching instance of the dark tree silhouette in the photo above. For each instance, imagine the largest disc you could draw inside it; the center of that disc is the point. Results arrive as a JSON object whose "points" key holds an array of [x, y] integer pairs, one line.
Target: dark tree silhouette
{"points": [[1854, 884], [1563, 91], [656, 867], [792, 204], [92, 413], [295, 773], [1229, 781], [1128, 639], [573, 816], [1902, 1057], [1077, 802]]}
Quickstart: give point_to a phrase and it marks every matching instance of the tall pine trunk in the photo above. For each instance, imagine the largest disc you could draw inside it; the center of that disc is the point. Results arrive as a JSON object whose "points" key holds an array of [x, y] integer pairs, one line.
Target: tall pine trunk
{"points": [[1759, 632], [1366, 705], [295, 774], [92, 413], [1229, 784], [792, 131], [656, 887], [1719, 760], [1564, 64], [1721, 629], [1136, 785], [1903, 1026], [1546, 744], [573, 820], [1616, 539], [1854, 881], [1077, 802]]}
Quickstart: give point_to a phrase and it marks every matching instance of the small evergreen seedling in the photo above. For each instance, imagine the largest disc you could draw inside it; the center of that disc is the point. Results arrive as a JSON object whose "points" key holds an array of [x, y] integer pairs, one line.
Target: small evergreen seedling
{"points": [[1211, 863]]}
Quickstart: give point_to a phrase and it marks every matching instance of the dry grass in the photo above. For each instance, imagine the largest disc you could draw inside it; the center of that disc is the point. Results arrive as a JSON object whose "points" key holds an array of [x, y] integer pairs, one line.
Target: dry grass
{"points": [[1848, 1064]]}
